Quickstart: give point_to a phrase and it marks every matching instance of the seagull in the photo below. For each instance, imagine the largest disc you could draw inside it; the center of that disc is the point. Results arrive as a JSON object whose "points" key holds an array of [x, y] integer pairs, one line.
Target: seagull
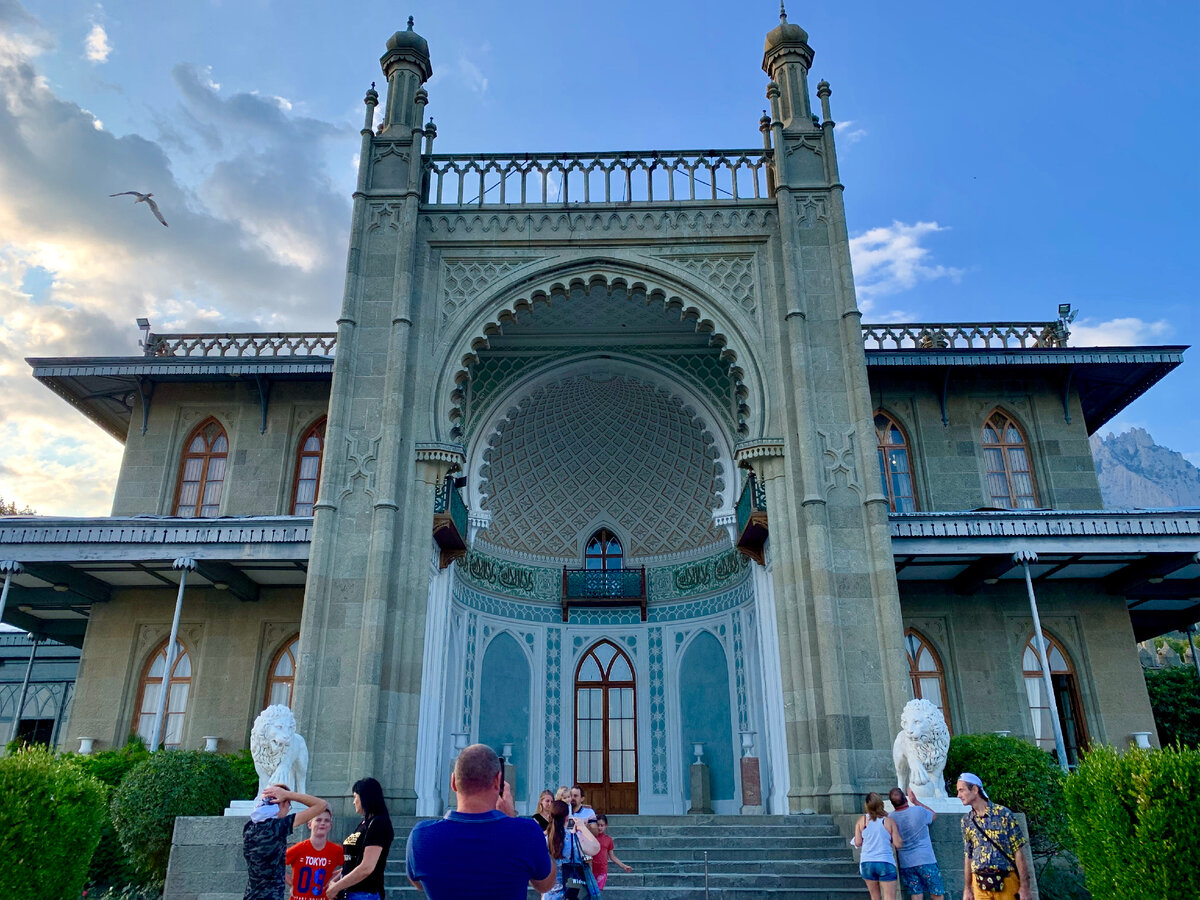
{"points": [[143, 198]]}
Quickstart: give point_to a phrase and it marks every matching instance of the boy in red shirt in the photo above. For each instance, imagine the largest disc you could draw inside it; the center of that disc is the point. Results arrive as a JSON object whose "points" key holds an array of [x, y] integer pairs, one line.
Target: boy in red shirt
{"points": [[315, 862], [599, 827]]}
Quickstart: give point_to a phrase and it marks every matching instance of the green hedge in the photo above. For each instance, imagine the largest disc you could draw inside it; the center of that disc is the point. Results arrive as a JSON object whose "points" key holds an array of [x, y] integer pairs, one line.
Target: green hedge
{"points": [[1020, 776], [170, 783], [50, 816], [1133, 818], [1175, 698], [110, 865]]}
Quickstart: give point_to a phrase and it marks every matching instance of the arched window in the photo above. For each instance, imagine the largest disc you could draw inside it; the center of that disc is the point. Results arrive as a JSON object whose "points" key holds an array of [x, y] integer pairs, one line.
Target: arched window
{"points": [[895, 464], [150, 690], [308, 469], [603, 551], [1006, 456], [606, 729], [282, 675], [202, 471], [926, 673], [1066, 695]]}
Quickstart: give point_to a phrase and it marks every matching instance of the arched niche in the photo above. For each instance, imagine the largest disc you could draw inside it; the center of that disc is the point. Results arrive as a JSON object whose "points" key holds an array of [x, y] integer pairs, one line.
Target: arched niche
{"points": [[504, 692], [705, 714]]}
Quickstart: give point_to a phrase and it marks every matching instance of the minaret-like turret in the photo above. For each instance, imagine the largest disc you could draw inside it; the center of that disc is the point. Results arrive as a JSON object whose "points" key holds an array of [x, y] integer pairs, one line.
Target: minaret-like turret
{"points": [[786, 60], [406, 66]]}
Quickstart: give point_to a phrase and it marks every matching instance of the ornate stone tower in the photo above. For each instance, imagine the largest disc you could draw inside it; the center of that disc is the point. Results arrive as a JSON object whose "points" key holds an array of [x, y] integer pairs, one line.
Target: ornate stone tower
{"points": [[710, 291]]}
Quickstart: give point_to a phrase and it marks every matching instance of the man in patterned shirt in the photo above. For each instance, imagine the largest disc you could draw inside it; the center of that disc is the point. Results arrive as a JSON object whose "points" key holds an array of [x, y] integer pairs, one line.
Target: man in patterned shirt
{"points": [[994, 866]]}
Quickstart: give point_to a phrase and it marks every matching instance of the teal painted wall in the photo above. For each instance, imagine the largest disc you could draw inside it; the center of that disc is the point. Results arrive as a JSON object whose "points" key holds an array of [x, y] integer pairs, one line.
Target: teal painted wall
{"points": [[504, 704], [706, 715]]}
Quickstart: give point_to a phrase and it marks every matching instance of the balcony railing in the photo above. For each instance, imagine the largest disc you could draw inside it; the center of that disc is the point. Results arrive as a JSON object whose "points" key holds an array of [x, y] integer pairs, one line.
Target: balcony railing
{"points": [[884, 336], [604, 587], [752, 519], [254, 344], [648, 176], [965, 335], [449, 522]]}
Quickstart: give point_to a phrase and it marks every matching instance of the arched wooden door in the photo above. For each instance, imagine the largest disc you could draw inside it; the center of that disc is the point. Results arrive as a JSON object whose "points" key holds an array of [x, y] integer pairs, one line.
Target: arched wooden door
{"points": [[606, 730]]}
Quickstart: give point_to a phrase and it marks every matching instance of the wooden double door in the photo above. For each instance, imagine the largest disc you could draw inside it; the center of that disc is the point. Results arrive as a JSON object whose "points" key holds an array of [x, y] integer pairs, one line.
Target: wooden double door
{"points": [[606, 729]]}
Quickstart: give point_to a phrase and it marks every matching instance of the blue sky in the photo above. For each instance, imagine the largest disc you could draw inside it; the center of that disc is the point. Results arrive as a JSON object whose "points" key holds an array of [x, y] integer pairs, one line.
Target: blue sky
{"points": [[998, 159]]}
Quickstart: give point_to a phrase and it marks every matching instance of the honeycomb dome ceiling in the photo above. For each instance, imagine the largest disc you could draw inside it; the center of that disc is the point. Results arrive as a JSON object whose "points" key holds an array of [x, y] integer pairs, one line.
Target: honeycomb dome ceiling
{"points": [[589, 451]]}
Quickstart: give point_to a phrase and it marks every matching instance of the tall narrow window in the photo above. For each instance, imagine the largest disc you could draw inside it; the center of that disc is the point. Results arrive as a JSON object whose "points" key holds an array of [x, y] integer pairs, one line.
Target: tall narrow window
{"points": [[308, 469], [178, 687], [282, 676], [202, 471], [603, 551], [895, 464], [925, 672], [1006, 456], [1066, 695], [606, 729]]}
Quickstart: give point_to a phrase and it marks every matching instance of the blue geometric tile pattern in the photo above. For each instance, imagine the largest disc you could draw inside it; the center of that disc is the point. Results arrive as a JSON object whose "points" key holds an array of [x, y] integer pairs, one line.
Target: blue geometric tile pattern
{"points": [[553, 703], [658, 714], [469, 673], [739, 672]]}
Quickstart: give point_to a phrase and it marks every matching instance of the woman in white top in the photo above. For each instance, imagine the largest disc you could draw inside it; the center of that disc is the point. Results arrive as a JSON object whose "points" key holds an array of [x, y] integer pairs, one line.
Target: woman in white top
{"points": [[878, 837]]}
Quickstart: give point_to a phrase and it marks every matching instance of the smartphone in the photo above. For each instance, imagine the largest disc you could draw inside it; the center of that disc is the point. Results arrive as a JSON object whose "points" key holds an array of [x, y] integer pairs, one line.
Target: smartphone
{"points": [[501, 776]]}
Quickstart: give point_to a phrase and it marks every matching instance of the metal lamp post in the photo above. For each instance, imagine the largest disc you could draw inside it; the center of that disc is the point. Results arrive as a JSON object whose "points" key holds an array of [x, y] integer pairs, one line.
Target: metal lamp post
{"points": [[183, 565], [1023, 558]]}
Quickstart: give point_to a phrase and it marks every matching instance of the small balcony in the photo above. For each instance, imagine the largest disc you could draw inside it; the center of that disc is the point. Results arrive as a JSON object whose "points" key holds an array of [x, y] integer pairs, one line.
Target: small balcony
{"points": [[752, 519], [604, 587], [449, 522]]}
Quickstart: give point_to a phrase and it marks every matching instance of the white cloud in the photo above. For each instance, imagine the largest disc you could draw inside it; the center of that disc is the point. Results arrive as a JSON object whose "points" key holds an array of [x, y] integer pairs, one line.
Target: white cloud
{"points": [[1125, 332], [258, 244], [890, 259], [849, 132], [96, 47]]}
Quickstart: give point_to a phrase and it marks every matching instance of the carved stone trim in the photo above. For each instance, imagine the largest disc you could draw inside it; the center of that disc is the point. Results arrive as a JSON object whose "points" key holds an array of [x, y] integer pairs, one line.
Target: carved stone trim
{"points": [[839, 457], [731, 274], [441, 451], [757, 448], [362, 454], [811, 210]]}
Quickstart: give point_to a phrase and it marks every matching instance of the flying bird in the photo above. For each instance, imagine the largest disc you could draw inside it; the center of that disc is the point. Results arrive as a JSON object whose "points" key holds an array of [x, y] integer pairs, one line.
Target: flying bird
{"points": [[143, 198]]}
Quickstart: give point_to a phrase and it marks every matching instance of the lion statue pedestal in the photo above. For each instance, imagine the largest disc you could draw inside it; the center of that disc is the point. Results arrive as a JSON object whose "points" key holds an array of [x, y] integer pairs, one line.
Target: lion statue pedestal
{"points": [[919, 754], [280, 755]]}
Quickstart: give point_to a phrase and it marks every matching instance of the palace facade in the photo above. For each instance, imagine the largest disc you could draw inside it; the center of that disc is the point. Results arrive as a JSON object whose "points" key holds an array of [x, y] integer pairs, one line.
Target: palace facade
{"points": [[603, 468]]}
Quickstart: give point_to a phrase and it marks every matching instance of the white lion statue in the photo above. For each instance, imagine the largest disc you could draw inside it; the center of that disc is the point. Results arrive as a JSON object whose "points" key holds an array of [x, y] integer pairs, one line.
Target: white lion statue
{"points": [[920, 750], [279, 752]]}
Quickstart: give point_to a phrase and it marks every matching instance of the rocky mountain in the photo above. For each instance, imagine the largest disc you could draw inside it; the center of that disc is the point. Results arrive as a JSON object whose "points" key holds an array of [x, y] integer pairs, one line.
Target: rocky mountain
{"points": [[1135, 472]]}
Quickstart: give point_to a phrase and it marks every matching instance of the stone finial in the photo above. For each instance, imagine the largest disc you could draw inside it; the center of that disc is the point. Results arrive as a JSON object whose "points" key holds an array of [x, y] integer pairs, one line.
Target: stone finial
{"points": [[782, 12], [823, 92], [372, 96], [410, 23]]}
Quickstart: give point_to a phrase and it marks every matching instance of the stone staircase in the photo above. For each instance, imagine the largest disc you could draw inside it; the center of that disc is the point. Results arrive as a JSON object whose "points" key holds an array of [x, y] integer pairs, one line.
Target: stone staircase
{"points": [[776, 857]]}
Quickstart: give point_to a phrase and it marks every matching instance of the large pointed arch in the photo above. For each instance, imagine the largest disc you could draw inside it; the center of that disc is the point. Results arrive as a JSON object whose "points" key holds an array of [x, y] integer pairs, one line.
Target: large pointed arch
{"points": [[566, 284]]}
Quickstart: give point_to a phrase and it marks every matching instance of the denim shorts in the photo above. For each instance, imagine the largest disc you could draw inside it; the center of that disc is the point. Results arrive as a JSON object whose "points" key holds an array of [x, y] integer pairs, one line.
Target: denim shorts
{"points": [[925, 879], [877, 871]]}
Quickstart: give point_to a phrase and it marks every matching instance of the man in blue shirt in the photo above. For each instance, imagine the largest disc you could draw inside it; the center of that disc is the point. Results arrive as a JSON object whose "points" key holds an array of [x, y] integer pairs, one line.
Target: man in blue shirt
{"points": [[919, 870], [480, 849]]}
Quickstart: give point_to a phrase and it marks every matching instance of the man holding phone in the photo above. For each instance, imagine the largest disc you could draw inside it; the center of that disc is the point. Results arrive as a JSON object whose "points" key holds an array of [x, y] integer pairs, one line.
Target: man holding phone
{"points": [[481, 849]]}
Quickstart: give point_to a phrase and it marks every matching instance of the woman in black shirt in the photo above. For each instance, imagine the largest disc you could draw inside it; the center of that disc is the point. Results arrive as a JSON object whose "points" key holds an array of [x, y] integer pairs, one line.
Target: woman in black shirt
{"points": [[542, 815], [366, 848]]}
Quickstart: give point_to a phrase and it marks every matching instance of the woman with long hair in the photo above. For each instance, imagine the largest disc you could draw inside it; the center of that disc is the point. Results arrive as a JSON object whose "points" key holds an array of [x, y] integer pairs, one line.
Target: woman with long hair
{"points": [[878, 838], [542, 814], [568, 841], [367, 847]]}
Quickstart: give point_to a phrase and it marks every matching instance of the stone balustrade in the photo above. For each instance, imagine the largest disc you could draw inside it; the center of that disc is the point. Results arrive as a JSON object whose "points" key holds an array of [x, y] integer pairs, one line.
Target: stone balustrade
{"points": [[648, 176], [255, 344], [965, 335]]}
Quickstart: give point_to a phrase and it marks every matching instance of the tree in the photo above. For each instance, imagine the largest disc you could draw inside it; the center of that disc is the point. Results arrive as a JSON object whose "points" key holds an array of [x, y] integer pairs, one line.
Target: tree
{"points": [[1175, 699], [9, 508]]}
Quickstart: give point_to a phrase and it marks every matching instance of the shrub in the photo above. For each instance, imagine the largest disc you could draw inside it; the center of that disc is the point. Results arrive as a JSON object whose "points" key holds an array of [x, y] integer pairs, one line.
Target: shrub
{"points": [[247, 775], [50, 815], [1020, 776], [1175, 698], [170, 783], [110, 865], [1135, 834]]}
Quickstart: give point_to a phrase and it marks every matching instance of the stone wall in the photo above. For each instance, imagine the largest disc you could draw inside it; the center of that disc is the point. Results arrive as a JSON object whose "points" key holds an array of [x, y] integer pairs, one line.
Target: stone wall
{"points": [[980, 639], [261, 467], [231, 645], [950, 472]]}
